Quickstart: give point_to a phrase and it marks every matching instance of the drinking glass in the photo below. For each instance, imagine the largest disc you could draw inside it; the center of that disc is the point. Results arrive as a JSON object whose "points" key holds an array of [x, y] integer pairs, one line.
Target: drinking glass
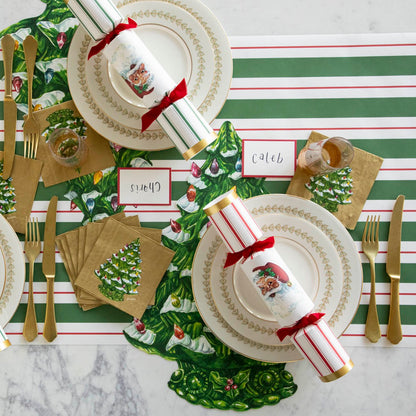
{"points": [[67, 147], [326, 156]]}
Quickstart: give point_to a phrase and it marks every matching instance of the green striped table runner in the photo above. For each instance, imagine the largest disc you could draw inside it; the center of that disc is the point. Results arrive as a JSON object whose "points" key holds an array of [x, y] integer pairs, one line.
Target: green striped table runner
{"points": [[362, 87]]}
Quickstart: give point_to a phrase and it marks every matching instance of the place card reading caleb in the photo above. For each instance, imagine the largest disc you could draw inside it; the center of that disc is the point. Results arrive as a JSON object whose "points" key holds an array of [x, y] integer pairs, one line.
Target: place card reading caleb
{"points": [[268, 158], [144, 186]]}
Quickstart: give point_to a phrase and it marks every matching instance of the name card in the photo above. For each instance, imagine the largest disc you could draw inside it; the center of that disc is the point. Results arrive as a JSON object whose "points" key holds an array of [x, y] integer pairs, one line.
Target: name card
{"points": [[268, 158], [144, 186]]}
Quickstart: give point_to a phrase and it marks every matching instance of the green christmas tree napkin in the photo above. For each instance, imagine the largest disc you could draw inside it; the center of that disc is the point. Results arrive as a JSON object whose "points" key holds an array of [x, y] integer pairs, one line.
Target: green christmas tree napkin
{"points": [[124, 268], [70, 246], [66, 115], [342, 192], [18, 192]]}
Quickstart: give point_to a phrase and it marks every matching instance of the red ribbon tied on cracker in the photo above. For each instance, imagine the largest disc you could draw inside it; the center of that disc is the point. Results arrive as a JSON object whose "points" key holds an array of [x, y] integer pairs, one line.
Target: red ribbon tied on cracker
{"points": [[176, 94], [261, 245], [110, 36], [310, 319]]}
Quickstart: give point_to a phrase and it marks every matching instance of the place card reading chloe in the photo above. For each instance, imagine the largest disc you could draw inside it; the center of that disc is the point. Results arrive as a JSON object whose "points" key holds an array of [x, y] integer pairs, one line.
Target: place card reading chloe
{"points": [[268, 158], [144, 186]]}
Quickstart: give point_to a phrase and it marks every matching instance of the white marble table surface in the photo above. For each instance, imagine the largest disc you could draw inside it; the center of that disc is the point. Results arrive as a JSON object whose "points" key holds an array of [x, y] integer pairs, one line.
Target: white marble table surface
{"points": [[104, 380]]}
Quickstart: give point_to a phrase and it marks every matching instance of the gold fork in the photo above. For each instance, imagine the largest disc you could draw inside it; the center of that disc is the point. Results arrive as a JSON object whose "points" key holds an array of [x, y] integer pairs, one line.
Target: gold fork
{"points": [[31, 128], [32, 250], [370, 248]]}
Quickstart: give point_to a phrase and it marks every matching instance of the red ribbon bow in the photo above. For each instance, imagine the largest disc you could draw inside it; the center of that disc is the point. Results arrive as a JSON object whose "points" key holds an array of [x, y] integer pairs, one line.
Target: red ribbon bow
{"points": [[110, 36], [311, 319], [260, 245], [176, 94]]}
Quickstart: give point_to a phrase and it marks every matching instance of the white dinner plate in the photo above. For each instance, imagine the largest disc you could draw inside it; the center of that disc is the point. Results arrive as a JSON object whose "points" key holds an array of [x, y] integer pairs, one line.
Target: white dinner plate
{"points": [[12, 271], [319, 251], [188, 41]]}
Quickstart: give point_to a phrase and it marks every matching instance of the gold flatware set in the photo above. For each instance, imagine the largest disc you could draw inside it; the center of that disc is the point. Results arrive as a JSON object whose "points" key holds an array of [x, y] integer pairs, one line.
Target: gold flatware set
{"points": [[9, 106], [31, 128], [32, 250], [370, 249], [394, 329], [48, 269], [31, 135]]}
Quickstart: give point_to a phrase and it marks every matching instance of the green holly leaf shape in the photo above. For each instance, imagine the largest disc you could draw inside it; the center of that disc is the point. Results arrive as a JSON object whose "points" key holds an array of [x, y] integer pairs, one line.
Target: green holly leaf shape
{"points": [[218, 382], [230, 387], [242, 378]]}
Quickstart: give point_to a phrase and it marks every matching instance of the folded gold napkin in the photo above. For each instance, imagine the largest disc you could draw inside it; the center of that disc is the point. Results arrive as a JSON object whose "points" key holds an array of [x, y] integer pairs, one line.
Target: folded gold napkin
{"points": [[18, 192], [124, 268], [99, 155], [342, 192], [76, 245]]}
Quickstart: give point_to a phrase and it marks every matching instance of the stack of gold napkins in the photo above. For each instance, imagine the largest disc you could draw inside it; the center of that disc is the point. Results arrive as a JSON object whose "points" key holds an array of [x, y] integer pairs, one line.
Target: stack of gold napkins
{"points": [[115, 261]]}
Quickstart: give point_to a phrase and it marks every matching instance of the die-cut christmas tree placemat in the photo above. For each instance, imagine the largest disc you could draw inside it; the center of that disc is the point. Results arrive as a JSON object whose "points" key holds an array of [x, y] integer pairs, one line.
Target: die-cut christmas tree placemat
{"points": [[124, 268], [342, 192], [66, 114], [18, 192]]}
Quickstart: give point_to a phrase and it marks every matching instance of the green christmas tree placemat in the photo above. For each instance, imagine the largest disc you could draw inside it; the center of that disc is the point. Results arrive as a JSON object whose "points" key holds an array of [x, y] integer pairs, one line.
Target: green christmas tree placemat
{"points": [[209, 373], [342, 192]]}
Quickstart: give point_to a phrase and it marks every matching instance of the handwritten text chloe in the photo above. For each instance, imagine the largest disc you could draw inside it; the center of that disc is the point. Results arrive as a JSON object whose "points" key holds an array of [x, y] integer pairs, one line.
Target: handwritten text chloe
{"points": [[151, 187]]}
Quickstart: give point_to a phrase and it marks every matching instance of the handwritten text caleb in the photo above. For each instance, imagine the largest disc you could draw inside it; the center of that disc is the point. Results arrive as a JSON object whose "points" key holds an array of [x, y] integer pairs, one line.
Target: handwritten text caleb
{"points": [[266, 158]]}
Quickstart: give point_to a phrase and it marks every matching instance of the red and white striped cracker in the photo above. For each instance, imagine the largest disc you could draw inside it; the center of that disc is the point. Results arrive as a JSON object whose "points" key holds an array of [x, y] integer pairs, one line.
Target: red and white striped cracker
{"points": [[186, 128], [322, 349], [98, 17], [127, 54], [233, 221]]}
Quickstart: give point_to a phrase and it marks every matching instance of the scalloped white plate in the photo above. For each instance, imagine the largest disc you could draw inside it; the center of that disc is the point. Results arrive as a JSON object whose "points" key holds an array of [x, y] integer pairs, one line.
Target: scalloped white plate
{"points": [[12, 271], [319, 251], [188, 41]]}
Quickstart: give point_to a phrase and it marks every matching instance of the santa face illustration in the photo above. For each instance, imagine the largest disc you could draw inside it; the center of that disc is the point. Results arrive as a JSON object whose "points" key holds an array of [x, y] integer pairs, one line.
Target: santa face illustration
{"points": [[139, 76], [267, 284], [271, 279], [139, 79]]}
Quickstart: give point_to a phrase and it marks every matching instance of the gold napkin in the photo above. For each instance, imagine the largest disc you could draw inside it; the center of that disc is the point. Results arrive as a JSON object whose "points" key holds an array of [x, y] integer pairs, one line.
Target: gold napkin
{"points": [[76, 245], [19, 191], [124, 268], [99, 156], [364, 170]]}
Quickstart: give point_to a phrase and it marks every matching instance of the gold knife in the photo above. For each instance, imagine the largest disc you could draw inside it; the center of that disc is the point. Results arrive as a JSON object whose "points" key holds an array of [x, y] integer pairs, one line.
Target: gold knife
{"points": [[394, 328], [10, 109], [48, 268]]}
